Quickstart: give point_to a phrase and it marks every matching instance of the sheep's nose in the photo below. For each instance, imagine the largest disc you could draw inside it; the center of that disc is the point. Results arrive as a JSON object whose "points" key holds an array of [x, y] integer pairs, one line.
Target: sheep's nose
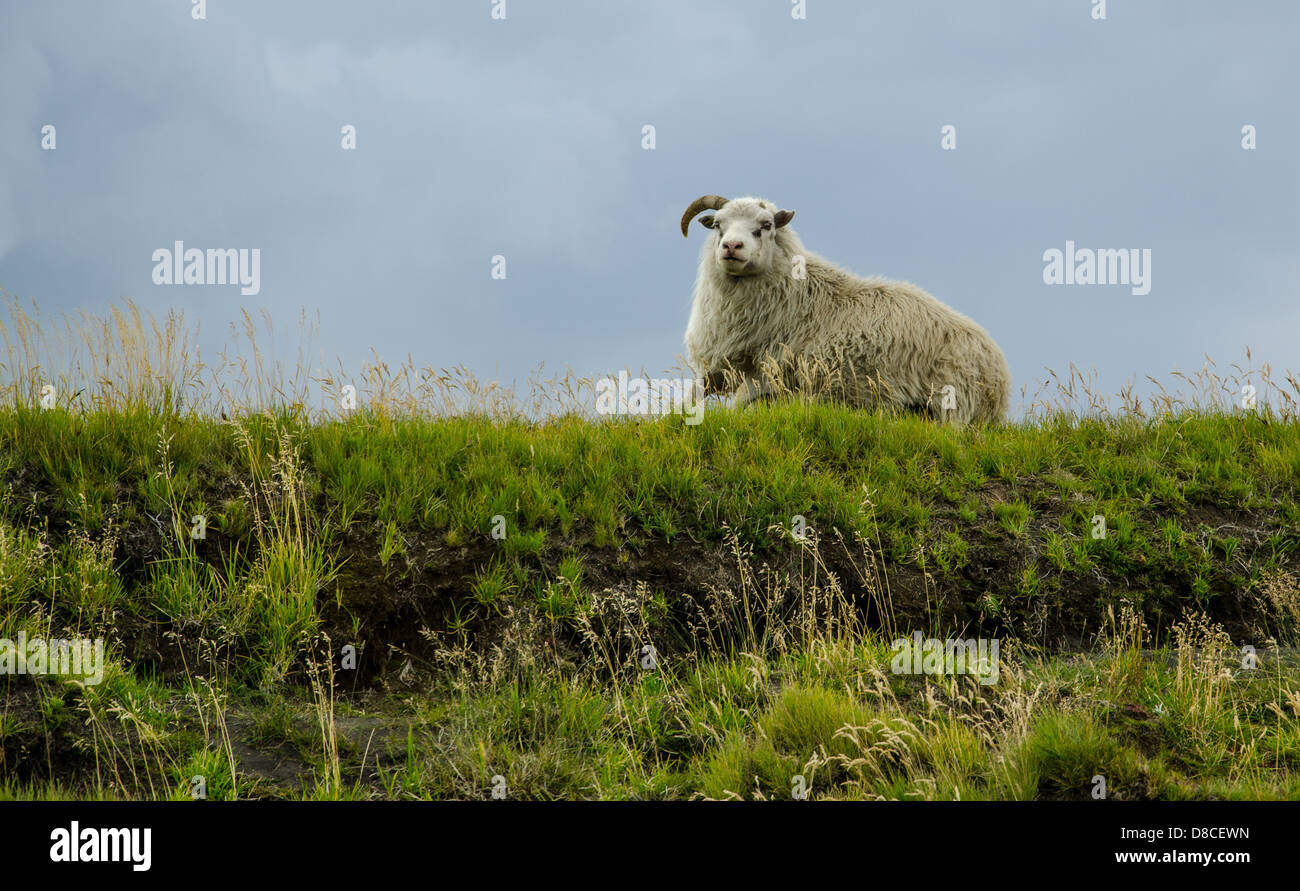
{"points": [[733, 245]]}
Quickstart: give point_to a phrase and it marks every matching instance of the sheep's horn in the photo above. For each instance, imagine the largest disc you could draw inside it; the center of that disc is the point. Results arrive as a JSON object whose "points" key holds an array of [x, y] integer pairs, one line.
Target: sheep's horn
{"points": [[705, 202]]}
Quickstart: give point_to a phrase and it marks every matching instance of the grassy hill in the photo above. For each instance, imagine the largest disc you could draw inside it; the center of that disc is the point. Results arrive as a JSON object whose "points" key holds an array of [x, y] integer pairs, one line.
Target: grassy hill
{"points": [[389, 603]]}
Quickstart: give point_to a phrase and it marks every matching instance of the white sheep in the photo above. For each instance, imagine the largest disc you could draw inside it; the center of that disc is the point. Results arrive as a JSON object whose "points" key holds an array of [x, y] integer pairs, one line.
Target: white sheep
{"points": [[777, 317]]}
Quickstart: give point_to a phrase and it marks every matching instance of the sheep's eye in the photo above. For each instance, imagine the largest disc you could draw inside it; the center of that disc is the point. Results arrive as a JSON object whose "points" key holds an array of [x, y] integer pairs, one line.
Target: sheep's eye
{"points": [[767, 225], [758, 233]]}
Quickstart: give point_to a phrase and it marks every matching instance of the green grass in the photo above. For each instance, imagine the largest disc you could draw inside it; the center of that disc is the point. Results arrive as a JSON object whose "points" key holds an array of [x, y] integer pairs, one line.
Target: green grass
{"points": [[528, 659], [411, 603]]}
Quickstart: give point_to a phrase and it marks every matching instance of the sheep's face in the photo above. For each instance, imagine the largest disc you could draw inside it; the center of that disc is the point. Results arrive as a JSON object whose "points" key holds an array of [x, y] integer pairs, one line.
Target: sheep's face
{"points": [[744, 235]]}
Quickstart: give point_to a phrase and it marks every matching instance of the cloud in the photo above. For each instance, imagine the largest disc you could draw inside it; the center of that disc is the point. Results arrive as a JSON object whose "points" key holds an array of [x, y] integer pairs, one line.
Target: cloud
{"points": [[523, 138]]}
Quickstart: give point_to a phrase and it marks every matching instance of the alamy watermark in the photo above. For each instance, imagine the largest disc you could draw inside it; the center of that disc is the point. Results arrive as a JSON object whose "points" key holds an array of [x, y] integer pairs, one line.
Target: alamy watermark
{"points": [[626, 395], [215, 266], [1105, 266], [79, 658], [102, 845], [977, 657]]}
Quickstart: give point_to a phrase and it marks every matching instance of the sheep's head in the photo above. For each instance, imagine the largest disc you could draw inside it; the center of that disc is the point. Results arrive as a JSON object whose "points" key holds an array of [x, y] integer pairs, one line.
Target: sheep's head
{"points": [[744, 231]]}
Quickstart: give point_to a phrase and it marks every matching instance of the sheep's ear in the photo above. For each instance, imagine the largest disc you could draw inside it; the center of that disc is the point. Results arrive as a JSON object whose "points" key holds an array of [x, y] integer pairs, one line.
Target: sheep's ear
{"points": [[782, 217], [707, 221]]}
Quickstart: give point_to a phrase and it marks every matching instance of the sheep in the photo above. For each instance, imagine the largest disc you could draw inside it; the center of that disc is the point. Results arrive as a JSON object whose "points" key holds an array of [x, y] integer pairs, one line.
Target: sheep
{"points": [[782, 319]]}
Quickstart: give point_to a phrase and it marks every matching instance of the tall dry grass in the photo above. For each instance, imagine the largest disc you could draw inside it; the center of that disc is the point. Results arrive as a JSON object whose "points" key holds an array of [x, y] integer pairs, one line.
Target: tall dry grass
{"points": [[128, 359]]}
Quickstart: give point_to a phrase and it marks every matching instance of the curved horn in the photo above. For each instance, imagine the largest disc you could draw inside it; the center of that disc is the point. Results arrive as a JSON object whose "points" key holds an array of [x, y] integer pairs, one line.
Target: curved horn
{"points": [[704, 202]]}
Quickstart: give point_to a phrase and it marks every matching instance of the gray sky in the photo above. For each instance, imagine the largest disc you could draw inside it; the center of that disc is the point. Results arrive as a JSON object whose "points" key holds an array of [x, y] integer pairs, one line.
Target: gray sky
{"points": [[523, 137]]}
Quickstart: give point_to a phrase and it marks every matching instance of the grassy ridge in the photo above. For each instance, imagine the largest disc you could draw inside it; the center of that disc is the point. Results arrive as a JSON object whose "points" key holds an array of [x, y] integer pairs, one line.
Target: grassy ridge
{"points": [[521, 655], [1196, 509]]}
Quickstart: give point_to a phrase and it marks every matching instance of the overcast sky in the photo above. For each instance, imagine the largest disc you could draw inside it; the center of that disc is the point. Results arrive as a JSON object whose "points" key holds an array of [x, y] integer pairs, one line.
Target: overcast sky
{"points": [[523, 137]]}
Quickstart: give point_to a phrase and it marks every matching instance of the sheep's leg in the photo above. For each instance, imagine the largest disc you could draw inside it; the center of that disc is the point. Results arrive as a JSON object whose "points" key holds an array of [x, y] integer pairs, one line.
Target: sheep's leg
{"points": [[725, 381], [752, 390], [715, 382]]}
